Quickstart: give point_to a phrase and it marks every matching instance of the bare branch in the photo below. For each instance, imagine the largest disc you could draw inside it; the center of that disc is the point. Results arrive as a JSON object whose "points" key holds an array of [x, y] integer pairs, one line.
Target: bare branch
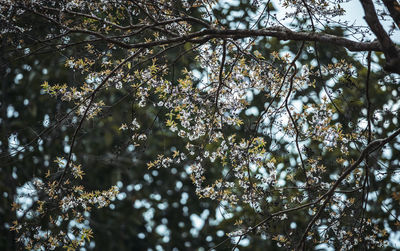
{"points": [[391, 51], [393, 7]]}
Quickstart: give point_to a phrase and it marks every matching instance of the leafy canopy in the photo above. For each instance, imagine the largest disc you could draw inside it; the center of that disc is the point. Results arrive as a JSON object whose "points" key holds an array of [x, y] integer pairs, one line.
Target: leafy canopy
{"points": [[288, 121]]}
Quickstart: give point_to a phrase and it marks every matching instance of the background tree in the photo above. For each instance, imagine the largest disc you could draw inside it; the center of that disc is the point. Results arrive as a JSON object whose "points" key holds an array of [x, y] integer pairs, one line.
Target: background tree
{"points": [[286, 140]]}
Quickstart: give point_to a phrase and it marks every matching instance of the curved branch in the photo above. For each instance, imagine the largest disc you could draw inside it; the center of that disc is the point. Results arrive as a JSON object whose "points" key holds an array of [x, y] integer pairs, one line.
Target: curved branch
{"points": [[391, 51], [371, 147], [92, 96], [394, 9]]}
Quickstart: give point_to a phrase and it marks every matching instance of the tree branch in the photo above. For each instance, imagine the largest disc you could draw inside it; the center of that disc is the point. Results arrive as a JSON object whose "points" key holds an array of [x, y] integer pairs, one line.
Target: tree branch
{"points": [[391, 51], [394, 9], [278, 32], [92, 96], [371, 147]]}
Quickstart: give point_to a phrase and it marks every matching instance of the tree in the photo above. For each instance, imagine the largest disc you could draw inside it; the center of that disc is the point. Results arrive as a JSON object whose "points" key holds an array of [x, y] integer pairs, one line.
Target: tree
{"points": [[287, 137]]}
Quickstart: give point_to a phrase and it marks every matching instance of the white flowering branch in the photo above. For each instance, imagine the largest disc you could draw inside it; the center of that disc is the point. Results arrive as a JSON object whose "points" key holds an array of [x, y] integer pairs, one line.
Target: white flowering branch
{"points": [[371, 147]]}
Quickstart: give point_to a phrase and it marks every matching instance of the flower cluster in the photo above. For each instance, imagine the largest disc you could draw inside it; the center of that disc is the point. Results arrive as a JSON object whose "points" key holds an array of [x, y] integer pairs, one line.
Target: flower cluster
{"points": [[63, 204]]}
